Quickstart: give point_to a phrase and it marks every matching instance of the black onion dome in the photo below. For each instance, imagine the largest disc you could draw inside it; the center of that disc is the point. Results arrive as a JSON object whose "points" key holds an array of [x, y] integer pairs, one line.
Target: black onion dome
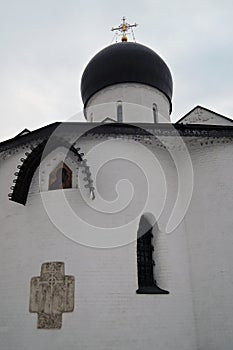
{"points": [[125, 62]]}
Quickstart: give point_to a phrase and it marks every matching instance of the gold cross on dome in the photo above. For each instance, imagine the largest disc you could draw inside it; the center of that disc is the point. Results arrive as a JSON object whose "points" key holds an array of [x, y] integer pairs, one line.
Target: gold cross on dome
{"points": [[123, 27]]}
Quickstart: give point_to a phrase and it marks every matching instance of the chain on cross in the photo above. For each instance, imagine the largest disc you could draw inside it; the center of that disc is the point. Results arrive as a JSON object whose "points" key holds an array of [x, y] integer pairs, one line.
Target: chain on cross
{"points": [[123, 29]]}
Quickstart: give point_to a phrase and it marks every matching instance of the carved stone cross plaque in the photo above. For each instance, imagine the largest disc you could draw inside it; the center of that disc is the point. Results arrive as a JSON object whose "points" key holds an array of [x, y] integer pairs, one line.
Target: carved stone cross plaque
{"points": [[52, 293]]}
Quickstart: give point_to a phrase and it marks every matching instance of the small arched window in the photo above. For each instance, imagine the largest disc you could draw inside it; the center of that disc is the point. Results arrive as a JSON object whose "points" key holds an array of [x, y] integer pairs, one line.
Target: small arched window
{"points": [[155, 112], [146, 282], [119, 112], [60, 177]]}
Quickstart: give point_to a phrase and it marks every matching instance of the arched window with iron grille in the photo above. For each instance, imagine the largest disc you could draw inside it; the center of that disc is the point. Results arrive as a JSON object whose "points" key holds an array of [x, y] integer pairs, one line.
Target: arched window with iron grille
{"points": [[145, 263]]}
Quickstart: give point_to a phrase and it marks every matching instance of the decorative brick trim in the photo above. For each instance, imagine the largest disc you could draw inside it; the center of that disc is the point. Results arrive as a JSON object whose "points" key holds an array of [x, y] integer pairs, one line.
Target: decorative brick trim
{"points": [[32, 161]]}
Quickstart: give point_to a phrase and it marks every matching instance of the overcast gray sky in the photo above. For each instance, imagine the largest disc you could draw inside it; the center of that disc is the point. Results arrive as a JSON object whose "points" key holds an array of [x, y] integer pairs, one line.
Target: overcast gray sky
{"points": [[45, 46]]}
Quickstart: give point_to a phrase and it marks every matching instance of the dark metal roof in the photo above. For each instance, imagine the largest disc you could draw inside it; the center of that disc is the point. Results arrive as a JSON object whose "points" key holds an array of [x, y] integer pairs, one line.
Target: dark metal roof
{"points": [[126, 62], [85, 129], [68, 135], [20, 139]]}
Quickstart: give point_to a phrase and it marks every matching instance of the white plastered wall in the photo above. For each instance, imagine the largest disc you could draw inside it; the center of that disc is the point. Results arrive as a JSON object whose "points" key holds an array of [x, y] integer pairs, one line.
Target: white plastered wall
{"points": [[208, 226], [194, 262], [203, 116], [137, 101], [108, 313]]}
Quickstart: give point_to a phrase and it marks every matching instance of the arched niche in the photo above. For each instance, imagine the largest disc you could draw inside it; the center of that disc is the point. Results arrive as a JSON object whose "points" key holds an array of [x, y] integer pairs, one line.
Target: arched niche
{"points": [[32, 167], [119, 111], [145, 263], [155, 112], [59, 158], [60, 177]]}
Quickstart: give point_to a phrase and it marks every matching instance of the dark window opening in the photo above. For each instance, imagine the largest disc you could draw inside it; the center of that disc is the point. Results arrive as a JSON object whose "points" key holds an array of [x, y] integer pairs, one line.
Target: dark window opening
{"points": [[146, 282], [155, 113], [119, 112]]}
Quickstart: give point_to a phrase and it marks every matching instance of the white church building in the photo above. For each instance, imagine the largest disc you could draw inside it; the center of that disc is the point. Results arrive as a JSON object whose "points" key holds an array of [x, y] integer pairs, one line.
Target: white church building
{"points": [[117, 232]]}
